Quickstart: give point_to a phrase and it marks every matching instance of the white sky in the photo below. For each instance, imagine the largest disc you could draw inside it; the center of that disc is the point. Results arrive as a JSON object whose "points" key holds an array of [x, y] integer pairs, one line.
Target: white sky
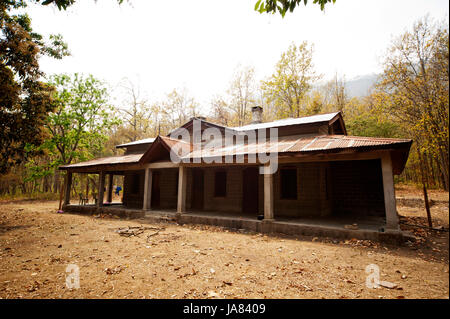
{"points": [[198, 43]]}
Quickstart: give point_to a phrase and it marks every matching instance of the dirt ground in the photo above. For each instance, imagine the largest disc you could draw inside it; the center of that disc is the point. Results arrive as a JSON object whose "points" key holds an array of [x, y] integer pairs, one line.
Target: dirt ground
{"points": [[173, 261]]}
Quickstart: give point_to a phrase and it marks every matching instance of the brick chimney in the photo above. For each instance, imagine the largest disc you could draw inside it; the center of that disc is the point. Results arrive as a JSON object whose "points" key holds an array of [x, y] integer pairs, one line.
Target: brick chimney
{"points": [[257, 114]]}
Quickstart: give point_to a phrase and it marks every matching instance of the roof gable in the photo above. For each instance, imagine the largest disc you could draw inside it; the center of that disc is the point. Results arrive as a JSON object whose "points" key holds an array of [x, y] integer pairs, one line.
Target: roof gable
{"points": [[161, 149]]}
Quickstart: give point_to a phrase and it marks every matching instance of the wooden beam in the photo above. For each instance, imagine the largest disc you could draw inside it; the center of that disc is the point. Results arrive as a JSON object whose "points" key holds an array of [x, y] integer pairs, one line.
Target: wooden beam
{"points": [[182, 187], [147, 189], [162, 165], [389, 192], [67, 187], [268, 193], [348, 156], [101, 188], [104, 168]]}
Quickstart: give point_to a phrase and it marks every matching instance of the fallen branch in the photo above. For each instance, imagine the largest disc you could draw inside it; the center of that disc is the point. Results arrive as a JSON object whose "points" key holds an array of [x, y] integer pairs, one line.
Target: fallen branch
{"points": [[426, 227], [135, 230], [152, 234]]}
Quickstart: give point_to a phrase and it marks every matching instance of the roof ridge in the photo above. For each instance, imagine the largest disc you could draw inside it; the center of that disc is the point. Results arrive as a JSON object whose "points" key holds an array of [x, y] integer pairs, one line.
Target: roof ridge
{"points": [[370, 138]]}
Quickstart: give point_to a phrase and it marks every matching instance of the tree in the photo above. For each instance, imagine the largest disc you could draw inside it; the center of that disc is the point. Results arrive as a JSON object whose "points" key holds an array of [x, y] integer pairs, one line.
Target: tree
{"points": [[315, 103], [416, 82], [77, 126], [220, 111], [338, 93], [24, 99], [242, 93], [137, 112], [292, 80], [178, 108], [283, 6]]}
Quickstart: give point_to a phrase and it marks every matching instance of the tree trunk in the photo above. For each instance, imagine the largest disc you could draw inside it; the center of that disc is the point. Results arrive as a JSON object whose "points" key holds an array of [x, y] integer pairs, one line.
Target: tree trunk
{"points": [[425, 194]]}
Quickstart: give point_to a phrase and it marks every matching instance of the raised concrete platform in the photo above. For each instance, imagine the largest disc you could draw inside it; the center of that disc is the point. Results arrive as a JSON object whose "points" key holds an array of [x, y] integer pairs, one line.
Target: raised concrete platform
{"points": [[307, 227], [115, 209], [324, 227]]}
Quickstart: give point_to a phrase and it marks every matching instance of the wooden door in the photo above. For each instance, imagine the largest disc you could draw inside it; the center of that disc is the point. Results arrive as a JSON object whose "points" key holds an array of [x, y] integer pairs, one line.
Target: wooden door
{"points": [[197, 189], [250, 188], [156, 190]]}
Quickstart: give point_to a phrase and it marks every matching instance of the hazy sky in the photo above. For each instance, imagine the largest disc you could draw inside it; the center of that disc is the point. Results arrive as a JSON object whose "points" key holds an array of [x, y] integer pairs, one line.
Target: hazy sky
{"points": [[198, 43]]}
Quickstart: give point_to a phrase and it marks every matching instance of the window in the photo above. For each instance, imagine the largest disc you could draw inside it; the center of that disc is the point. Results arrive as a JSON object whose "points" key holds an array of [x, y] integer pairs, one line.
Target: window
{"points": [[135, 183], [288, 183], [220, 184]]}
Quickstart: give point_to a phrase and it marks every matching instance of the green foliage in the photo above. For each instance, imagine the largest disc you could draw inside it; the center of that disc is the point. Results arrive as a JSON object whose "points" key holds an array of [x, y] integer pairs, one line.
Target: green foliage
{"points": [[370, 125], [82, 117], [283, 6], [24, 99], [288, 86]]}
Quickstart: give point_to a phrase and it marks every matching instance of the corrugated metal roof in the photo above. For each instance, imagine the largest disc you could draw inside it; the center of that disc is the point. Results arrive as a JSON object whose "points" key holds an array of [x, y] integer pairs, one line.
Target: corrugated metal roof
{"points": [[172, 142], [284, 122], [306, 144], [123, 159], [298, 144], [289, 121], [144, 141]]}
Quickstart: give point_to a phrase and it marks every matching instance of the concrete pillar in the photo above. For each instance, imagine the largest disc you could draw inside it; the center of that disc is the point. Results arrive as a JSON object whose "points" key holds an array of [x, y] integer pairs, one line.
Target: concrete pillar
{"points": [[147, 189], [110, 188], [268, 193], [67, 187], [389, 192], [182, 187], [101, 188]]}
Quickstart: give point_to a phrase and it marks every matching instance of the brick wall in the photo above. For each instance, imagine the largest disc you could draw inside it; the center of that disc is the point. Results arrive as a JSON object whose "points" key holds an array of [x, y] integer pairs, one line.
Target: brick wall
{"points": [[357, 188], [168, 187], [311, 199], [323, 188], [130, 199], [232, 202]]}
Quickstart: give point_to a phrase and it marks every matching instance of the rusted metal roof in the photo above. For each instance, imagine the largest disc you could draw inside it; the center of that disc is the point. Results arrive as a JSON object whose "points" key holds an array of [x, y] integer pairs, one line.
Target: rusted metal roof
{"points": [[111, 160], [162, 146], [306, 144], [172, 142], [298, 144]]}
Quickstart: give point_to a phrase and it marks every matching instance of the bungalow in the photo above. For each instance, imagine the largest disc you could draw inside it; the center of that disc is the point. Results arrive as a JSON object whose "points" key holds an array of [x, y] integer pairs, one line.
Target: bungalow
{"points": [[296, 176]]}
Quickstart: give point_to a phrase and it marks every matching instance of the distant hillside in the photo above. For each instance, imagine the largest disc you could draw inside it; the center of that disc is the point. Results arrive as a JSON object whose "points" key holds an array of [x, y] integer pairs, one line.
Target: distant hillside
{"points": [[360, 85]]}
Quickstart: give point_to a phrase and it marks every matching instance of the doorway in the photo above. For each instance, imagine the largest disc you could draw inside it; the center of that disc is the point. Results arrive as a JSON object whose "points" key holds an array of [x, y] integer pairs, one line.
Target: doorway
{"points": [[250, 187], [156, 190], [197, 189]]}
